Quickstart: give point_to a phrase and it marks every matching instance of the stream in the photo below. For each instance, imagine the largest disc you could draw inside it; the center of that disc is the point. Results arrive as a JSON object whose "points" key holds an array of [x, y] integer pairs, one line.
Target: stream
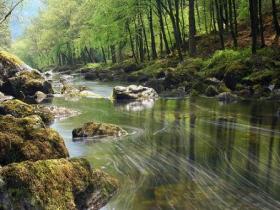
{"points": [[193, 153]]}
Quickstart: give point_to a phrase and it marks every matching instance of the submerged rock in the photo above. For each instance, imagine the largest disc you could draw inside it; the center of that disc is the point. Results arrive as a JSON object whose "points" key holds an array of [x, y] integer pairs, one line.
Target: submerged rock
{"points": [[227, 97], [61, 112], [27, 139], [93, 129], [134, 92], [20, 109], [54, 184]]}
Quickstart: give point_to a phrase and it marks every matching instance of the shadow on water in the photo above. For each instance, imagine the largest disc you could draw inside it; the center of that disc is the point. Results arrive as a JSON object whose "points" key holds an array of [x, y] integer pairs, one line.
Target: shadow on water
{"points": [[185, 154]]}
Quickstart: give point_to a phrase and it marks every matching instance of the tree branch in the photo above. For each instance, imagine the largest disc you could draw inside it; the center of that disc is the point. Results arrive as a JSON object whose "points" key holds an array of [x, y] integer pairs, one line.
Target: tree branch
{"points": [[10, 12]]}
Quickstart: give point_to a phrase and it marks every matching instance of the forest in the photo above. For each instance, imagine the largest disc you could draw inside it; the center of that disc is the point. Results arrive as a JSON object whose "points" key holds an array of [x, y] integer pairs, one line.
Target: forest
{"points": [[139, 104]]}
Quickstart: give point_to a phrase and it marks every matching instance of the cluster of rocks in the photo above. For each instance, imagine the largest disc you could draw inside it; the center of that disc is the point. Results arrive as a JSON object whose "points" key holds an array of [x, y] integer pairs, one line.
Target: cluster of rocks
{"points": [[35, 169], [21, 81]]}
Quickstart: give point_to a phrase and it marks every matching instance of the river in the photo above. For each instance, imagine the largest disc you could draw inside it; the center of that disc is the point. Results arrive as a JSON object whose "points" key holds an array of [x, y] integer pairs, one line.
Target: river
{"points": [[193, 153]]}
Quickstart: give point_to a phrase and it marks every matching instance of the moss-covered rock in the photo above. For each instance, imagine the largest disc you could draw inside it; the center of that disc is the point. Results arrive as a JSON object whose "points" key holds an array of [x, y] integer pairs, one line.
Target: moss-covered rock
{"points": [[20, 109], [26, 84], [93, 129], [54, 184], [26, 139], [10, 65], [211, 91], [20, 80]]}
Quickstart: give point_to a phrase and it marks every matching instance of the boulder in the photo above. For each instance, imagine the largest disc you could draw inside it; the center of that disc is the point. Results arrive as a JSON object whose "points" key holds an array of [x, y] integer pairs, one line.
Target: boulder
{"points": [[134, 92], [20, 80], [93, 129], [54, 184], [27, 139], [227, 97], [26, 84], [3, 97], [61, 112], [10, 65], [40, 97], [20, 109], [211, 91]]}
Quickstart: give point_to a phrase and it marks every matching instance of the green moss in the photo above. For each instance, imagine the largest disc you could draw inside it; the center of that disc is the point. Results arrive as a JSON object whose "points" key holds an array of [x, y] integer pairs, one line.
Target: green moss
{"points": [[10, 59], [211, 91], [92, 129], [29, 140], [263, 77], [55, 184], [20, 109]]}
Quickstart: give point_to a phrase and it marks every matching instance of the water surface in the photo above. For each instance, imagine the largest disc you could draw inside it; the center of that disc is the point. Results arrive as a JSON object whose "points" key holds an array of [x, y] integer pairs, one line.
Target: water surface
{"points": [[183, 153]]}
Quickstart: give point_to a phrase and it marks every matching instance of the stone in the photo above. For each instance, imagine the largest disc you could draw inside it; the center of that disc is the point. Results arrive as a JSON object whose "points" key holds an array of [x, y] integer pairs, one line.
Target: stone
{"points": [[93, 129], [211, 91], [227, 97], [27, 138], [54, 184], [20, 109], [3, 97], [40, 96], [134, 92], [61, 112]]}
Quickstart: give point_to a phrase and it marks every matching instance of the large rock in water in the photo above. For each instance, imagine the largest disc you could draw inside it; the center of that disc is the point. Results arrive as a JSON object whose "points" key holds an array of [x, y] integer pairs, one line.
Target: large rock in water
{"points": [[93, 129], [54, 184], [134, 92], [20, 80], [20, 109], [27, 139]]}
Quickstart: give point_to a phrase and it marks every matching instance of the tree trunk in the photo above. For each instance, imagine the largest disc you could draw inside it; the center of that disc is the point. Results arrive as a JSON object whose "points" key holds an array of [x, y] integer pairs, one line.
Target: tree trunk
{"points": [[153, 42], [254, 25], [161, 23], [192, 41], [275, 18]]}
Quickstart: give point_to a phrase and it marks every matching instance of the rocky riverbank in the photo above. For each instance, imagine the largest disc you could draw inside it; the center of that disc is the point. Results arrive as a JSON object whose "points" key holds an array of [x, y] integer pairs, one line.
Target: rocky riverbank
{"points": [[35, 169], [232, 73]]}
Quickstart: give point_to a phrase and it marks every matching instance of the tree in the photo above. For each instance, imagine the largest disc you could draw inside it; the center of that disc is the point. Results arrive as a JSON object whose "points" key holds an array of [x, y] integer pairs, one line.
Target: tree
{"points": [[192, 44]]}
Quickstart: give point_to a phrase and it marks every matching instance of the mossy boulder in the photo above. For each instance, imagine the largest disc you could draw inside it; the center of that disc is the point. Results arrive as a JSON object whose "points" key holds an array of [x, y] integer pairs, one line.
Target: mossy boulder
{"points": [[93, 129], [20, 80], [20, 109], [26, 139], [26, 83], [54, 184], [211, 91], [10, 65]]}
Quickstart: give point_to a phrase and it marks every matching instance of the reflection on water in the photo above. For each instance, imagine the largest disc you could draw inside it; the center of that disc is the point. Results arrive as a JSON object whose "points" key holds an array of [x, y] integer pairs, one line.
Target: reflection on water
{"points": [[185, 154]]}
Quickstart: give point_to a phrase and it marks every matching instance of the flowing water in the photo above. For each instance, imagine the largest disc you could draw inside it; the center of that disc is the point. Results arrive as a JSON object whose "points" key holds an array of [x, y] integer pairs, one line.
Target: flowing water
{"points": [[183, 153]]}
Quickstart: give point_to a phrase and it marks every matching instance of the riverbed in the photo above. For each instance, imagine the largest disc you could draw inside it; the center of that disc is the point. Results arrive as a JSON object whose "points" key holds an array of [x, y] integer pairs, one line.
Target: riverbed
{"points": [[192, 153]]}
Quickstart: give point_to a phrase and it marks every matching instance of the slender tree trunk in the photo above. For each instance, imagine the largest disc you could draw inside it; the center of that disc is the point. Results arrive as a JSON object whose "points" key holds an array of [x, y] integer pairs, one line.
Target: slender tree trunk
{"points": [[131, 43], [145, 37], [235, 44], [161, 23], [235, 17], [261, 24], [153, 42], [275, 18], [220, 22], [205, 16], [104, 55], [192, 41], [254, 25]]}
